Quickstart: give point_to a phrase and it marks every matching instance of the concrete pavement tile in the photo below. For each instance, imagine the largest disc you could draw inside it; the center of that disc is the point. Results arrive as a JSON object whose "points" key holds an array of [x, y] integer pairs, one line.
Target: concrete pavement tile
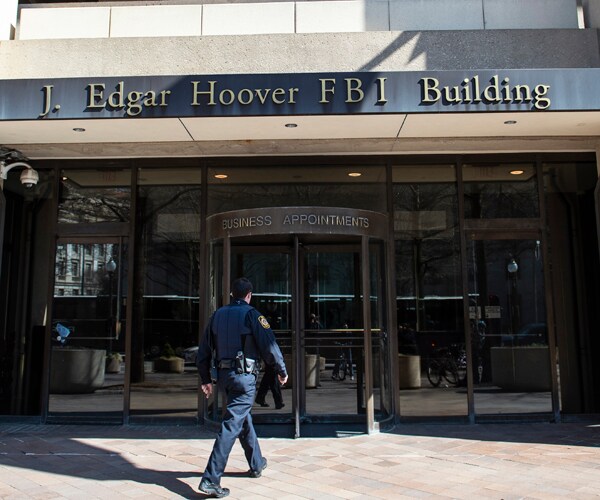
{"points": [[585, 494], [454, 466]]}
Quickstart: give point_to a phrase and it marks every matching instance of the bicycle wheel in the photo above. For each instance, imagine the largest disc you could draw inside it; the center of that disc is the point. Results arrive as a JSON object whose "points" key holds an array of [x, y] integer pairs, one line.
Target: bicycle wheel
{"points": [[434, 373], [451, 373]]}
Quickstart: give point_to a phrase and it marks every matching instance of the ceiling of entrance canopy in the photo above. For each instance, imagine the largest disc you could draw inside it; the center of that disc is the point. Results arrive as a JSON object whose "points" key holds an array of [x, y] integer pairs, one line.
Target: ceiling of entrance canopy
{"points": [[31, 136]]}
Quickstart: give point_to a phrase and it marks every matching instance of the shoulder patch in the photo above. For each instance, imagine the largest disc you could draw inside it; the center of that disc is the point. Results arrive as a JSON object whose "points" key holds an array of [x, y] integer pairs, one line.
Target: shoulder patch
{"points": [[263, 321]]}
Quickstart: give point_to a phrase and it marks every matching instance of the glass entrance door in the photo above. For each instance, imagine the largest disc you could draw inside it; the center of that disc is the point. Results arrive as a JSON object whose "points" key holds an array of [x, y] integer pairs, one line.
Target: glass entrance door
{"points": [[511, 351], [87, 359], [311, 294]]}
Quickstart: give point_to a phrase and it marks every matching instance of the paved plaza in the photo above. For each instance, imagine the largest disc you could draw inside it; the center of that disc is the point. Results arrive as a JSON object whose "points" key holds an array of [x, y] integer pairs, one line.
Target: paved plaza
{"points": [[496, 461]]}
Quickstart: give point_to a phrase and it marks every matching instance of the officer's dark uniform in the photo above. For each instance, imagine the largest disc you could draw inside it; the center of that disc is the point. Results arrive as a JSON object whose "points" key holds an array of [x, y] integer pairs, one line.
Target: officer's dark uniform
{"points": [[228, 325]]}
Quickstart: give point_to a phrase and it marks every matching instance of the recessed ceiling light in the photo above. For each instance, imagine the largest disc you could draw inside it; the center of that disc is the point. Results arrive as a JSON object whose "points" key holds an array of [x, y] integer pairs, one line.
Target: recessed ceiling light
{"points": [[510, 122], [78, 129], [64, 178], [291, 125], [517, 172], [354, 174], [220, 176]]}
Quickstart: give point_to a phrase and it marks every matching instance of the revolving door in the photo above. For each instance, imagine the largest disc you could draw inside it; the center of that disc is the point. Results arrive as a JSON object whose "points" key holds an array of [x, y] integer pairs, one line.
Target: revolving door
{"points": [[324, 297]]}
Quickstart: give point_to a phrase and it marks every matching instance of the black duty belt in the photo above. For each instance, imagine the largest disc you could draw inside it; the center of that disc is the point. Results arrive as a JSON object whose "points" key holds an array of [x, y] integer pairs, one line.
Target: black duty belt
{"points": [[227, 363]]}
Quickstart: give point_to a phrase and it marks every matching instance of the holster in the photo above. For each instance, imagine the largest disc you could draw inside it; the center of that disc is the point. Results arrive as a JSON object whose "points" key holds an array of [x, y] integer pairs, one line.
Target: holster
{"points": [[245, 365], [252, 366]]}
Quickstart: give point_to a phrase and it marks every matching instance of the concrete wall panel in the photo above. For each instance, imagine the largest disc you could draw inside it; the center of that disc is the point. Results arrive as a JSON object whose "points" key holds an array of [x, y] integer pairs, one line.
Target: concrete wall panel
{"points": [[591, 11], [8, 18], [327, 52], [536, 14], [421, 15], [68, 22], [156, 20], [340, 16], [248, 19]]}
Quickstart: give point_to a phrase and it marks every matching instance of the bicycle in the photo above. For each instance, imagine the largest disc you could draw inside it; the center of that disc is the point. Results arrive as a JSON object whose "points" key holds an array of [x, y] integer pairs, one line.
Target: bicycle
{"points": [[342, 366], [450, 364]]}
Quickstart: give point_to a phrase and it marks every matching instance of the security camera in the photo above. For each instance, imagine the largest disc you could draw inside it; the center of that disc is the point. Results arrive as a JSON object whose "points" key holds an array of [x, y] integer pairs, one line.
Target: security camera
{"points": [[29, 178]]}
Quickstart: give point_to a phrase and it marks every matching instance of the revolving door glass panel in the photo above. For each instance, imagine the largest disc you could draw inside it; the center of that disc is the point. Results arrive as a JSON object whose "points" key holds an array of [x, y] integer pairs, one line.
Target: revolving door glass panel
{"points": [[333, 335], [270, 271]]}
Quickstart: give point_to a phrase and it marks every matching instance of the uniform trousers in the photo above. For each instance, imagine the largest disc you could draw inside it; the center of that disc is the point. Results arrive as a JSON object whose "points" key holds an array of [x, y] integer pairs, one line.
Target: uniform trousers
{"points": [[269, 381], [237, 423]]}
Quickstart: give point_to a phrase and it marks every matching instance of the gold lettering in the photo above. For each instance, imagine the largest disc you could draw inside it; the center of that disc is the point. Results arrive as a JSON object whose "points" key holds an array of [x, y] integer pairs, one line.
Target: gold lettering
{"points": [[47, 90], [492, 91], [262, 94], [292, 91], [380, 82], [95, 92], [277, 93], [431, 92], [149, 98], [210, 93], [163, 97], [133, 106], [518, 93], [466, 90], [541, 101], [506, 89], [249, 96], [448, 94], [326, 90], [118, 95], [222, 97], [353, 86], [476, 93]]}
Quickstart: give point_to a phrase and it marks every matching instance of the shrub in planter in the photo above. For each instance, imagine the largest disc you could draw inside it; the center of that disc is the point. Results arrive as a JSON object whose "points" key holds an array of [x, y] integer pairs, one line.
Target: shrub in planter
{"points": [[168, 362], [113, 362]]}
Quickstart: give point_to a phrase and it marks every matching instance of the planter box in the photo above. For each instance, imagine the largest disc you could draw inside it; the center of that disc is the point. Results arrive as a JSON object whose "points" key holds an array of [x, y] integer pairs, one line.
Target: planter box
{"points": [[523, 369], [76, 371], [173, 365], [113, 365], [409, 371]]}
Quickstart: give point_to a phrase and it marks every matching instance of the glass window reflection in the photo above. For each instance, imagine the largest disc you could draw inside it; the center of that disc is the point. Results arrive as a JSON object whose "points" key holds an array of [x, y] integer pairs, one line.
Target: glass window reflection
{"points": [[500, 191], [91, 196], [164, 379], [428, 286]]}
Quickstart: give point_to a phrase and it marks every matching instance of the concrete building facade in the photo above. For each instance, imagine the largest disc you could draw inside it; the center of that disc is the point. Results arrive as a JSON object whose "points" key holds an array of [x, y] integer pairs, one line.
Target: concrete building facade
{"points": [[437, 157]]}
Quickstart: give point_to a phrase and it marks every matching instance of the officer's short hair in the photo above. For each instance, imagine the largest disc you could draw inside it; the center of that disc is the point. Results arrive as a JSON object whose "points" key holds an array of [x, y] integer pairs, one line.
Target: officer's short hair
{"points": [[240, 288]]}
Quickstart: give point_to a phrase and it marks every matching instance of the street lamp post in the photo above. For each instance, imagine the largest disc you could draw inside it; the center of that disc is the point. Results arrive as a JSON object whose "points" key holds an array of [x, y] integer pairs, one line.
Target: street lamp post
{"points": [[111, 267], [512, 268]]}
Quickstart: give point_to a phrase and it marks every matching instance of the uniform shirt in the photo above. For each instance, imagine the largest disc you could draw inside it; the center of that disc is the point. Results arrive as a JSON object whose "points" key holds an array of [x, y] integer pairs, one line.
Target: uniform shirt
{"points": [[228, 324]]}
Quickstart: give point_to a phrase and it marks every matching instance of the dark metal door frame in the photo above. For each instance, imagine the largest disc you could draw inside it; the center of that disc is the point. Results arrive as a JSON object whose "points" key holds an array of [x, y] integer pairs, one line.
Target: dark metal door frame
{"points": [[87, 235]]}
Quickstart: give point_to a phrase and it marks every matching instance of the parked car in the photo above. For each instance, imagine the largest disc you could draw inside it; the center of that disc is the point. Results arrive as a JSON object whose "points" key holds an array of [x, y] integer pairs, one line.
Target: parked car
{"points": [[190, 354], [532, 333]]}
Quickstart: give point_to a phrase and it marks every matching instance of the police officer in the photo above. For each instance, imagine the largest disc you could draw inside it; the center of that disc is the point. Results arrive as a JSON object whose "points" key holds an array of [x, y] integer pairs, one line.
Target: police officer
{"points": [[237, 336]]}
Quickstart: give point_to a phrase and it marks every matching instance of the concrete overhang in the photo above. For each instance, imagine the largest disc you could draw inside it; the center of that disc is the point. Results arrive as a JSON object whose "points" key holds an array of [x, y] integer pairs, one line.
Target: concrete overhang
{"points": [[276, 135]]}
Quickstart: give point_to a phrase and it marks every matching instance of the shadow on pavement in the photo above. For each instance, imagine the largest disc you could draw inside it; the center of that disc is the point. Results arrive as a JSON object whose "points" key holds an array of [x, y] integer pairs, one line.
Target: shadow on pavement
{"points": [[58, 449], [585, 433]]}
